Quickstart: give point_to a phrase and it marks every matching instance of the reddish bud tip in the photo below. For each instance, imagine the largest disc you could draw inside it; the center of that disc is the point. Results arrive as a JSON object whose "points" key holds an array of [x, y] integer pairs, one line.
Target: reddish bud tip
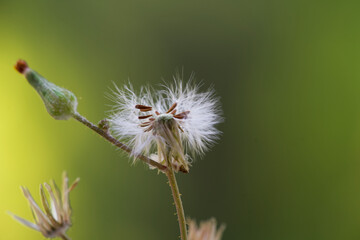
{"points": [[21, 66]]}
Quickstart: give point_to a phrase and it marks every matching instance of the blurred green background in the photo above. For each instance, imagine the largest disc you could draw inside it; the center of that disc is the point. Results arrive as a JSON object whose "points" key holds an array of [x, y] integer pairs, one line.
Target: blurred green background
{"points": [[287, 166]]}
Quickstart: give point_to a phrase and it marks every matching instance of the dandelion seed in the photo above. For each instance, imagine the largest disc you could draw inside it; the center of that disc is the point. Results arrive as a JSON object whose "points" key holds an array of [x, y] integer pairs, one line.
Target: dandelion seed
{"points": [[55, 220], [168, 125], [206, 231]]}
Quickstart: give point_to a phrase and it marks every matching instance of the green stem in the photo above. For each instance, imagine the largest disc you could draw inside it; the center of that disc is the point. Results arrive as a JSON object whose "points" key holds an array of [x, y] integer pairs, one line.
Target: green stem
{"points": [[177, 200]]}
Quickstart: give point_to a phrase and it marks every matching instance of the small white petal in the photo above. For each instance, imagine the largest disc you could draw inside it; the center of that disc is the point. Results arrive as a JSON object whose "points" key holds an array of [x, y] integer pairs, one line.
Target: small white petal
{"points": [[24, 222], [54, 203], [54, 213]]}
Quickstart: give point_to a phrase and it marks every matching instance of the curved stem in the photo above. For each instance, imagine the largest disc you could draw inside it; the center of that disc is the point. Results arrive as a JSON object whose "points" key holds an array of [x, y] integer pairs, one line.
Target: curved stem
{"points": [[115, 142], [178, 203], [175, 193]]}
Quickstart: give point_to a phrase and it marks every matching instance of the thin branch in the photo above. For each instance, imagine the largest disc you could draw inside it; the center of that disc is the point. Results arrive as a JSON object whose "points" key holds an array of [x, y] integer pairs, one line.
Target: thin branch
{"points": [[115, 142], [64, 237]]}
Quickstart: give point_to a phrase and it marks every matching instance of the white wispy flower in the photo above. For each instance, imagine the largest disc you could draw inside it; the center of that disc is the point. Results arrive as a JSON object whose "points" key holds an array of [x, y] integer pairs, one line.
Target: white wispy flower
{"points": [[206, 231], [55, 220], [176, 121]]}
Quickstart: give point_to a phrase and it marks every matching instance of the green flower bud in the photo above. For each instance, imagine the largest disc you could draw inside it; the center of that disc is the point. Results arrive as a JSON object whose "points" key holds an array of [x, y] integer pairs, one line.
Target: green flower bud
{"points": [[60, 103]]}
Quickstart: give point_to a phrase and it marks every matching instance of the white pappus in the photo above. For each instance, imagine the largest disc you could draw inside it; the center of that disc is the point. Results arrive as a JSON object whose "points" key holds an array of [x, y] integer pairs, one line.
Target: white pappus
{"points": [[169, 124]]}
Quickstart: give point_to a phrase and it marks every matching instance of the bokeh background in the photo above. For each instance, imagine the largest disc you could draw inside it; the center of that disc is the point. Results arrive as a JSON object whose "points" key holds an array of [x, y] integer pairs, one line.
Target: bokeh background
{"points": [[287, 166]]}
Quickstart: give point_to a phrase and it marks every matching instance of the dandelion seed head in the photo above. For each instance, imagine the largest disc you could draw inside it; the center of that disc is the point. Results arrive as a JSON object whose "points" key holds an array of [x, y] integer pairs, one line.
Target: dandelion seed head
{"points": [[178, 116]]}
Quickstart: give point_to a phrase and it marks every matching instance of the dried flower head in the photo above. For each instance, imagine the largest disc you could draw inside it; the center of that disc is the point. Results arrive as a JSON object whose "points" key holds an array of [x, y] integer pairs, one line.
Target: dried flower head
{"points": [[169, 124], [206, 231], [55, 221]]}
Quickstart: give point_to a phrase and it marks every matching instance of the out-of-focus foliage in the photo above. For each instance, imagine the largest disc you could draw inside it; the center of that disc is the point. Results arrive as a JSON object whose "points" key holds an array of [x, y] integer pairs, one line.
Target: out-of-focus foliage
{"points": [[287, 165]]}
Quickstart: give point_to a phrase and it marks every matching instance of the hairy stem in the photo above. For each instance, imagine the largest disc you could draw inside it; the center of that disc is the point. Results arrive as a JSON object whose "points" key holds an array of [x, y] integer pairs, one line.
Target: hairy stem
{"points": [[178, 203], [176, 194], [115, 142]]}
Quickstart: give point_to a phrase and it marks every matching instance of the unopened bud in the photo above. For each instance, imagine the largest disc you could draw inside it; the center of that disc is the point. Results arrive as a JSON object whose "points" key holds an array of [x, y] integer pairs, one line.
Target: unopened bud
{"points": [[60, 103]]}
